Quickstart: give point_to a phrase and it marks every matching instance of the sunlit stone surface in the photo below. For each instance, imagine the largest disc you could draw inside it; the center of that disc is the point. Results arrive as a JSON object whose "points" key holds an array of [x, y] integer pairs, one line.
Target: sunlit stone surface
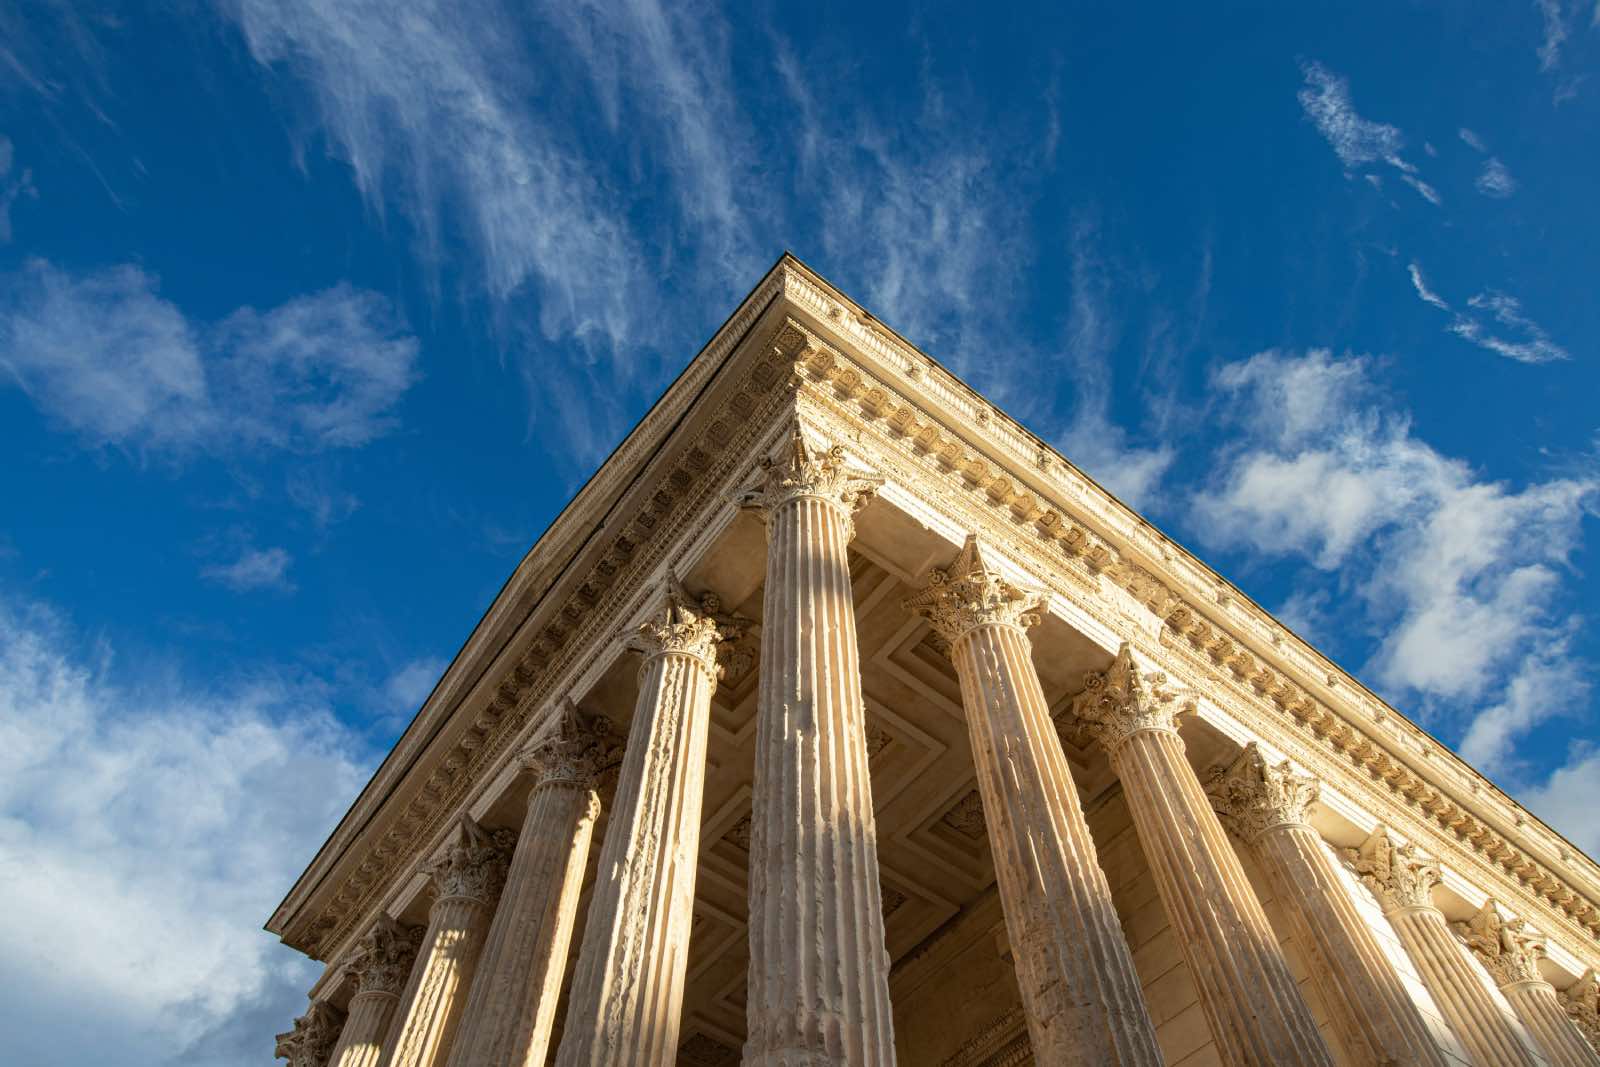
{"points": [[908, 744]]}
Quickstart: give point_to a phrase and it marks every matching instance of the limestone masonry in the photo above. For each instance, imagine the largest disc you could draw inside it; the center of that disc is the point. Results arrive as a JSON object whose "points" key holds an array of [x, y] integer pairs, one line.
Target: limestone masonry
{"points": [[840, 721]]}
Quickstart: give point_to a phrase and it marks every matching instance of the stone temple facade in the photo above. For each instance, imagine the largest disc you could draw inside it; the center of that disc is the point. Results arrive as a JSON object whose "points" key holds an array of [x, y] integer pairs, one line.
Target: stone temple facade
{"points": [[838, 720]]}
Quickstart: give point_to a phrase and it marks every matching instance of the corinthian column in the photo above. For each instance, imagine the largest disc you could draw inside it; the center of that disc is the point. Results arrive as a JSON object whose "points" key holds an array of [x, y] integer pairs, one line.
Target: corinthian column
{"points": [[1249, 997], [1582, 1004], [512, 1003], [311, 1041], [465, 881], [1510, 952], [1403, 882], [1377, 1021], [381, 963], [819, 972], [1079, 987], [627, 994]]}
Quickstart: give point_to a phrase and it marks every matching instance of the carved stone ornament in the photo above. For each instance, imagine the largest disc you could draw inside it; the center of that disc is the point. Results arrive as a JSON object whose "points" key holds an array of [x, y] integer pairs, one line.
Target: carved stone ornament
{"points": [[474, 863], [1507, 948], [1398, 875], [800, 470], [382, 959], [575, 749], [1252, 796], [740, 646], [311, 1041], [680, 625], [1582, 1002], [1123, 700], [970, 593]]}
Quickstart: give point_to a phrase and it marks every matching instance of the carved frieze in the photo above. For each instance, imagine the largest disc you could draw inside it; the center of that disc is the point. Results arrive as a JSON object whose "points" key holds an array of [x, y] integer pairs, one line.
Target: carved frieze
{"points": [[1251, 796]]}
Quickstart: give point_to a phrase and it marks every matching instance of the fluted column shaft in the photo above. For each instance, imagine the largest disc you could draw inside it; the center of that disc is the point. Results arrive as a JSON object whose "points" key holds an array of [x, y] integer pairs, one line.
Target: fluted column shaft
{"points": [[1079, 987], [512, 1005], [1402, 879], [1369, 1007], [361, 1040], [1485, 1033], [1537, 1005], [818, 982], [1249, 997], [627, 992], [467, 880]]}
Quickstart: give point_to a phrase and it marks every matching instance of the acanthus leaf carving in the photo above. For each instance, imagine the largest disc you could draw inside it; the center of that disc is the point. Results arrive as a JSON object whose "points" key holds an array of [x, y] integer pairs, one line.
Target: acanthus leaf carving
{"points": [[802, 470], [1124, 699], [576, 749], [474, 863], [311, 1041], [971, 593], [1252, 796], [1398, 875], [680, 624], [383, 957], [1506, 947], [1582, 1001]]}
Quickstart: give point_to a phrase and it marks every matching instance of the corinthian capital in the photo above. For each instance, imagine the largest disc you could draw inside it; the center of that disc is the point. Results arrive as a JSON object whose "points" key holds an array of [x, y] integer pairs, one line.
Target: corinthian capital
{"points": [[1582, 1002], [1398, 875], [575, 748], [474, 863], [970, 594], [383, 958], [1507, 948], [800, 470], [311, 1041], [1252, 796], [1123, 700], [679, 624]]}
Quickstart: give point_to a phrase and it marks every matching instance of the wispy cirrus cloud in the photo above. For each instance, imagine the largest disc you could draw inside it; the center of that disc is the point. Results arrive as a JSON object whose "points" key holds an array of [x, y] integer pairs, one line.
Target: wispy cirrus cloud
{"points": [[1534, 344], [13, 186], [1357, 141], [111, 359], [1460, 574], [256, 568]]}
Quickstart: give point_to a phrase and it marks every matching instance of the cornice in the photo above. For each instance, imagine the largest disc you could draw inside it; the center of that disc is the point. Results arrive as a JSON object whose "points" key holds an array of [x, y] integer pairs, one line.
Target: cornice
{"points": [[578, 609], [568, 592], [1070, 527]]}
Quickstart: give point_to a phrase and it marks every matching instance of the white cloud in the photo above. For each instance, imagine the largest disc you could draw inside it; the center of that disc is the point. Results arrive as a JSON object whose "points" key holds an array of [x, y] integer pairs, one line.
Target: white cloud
{"points": [[409, 686], [118, 364], [1566, 799], [1535, 345], [1472, 139], [1427, 295], [1549, 682], [145, 832], [1358, 142], [1557, 28], [256, 568], [1459, 573], [1496, 181], [428, 107], [12, 187]]}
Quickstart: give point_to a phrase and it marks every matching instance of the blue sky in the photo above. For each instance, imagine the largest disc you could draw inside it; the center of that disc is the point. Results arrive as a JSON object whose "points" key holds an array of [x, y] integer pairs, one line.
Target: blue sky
{"points": [[312, 315]]}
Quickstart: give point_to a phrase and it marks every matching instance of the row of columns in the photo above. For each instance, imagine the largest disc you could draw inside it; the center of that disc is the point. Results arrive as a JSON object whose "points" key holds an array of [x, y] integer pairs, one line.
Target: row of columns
{"points": [[482, 991]]}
